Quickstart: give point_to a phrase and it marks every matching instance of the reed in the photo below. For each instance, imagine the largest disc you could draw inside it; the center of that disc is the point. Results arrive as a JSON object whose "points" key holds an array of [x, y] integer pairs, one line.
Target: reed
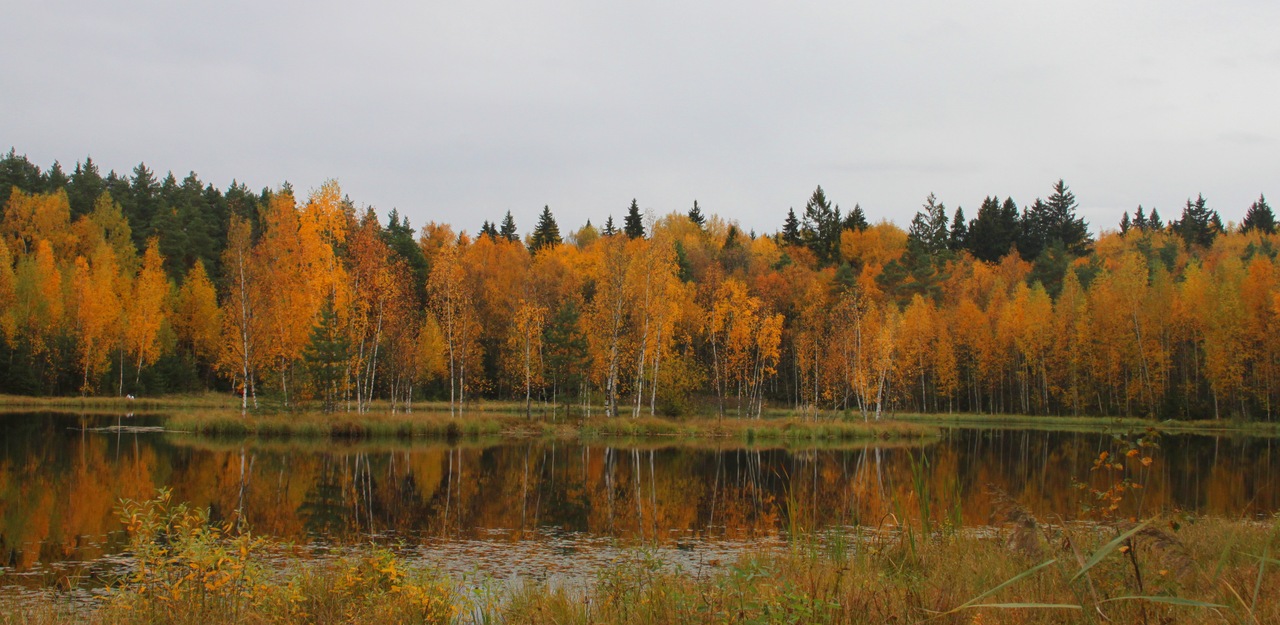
{"points": [[187, 570]]}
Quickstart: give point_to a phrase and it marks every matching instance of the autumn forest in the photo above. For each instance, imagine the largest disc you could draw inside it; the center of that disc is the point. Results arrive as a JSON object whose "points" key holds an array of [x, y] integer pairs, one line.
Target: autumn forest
{"points": [[135, 284]]}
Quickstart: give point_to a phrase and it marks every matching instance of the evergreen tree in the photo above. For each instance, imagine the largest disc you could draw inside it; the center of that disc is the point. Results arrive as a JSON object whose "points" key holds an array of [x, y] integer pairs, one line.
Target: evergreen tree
{"points": [[17, 171], [609, 230], [959, 232], [928, 228], [1124, 223], [487, 229], [1052, 220], [994, 231], [546, 234], [565, 347], [1259, 217], [1153, 221], [1199, 224], [695, 215], [54, 178], [1140, 220], [85, 186], [791, 228], [141, 203], [633, 225], [820, 228], [856, 219], [398, 236], [731, 238], [326, 356], [508, 230]]}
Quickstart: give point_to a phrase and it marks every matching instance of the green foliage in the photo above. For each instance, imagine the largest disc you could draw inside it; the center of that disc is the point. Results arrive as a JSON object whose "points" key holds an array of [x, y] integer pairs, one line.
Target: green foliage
{"points": [[633, 225], [1053, 220], [994, 231], [1199, 225], [546, 234], [696, 216], [1259, 217], [820, 229]]}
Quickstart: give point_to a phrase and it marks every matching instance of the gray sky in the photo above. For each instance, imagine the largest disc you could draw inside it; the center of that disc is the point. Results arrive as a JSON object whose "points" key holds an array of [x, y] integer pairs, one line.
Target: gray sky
{"points": [[461, 111]]}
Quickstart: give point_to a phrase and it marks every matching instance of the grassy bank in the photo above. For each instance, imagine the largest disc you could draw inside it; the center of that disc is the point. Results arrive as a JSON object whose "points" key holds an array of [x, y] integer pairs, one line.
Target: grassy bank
{"points": [[1092, 424], [385, 424], [116, 405], [1199, 571]]}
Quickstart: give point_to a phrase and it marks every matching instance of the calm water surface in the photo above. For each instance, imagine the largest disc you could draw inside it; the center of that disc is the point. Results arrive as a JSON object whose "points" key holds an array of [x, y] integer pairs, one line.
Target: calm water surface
{"points": [[541, 508]]}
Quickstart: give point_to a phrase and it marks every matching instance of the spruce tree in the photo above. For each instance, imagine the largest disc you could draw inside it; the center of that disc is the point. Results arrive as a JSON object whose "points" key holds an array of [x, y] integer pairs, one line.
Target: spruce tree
{"points": [[609, 230], [1259, 217], [1124, 223], [1199, 224], [85, 186], [488, 230], [508, 230], [820, 228], [695, 215], [994, 231], [1052, 220], [633, 225], [1140, 220], [856, 219], [546, 233], [929, 228], [959, 232], [791, 228], [326, 356], [1153, 221]]}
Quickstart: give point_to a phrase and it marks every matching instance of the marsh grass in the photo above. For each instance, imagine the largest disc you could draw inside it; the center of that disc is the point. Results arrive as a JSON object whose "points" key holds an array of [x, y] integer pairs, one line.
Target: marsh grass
{"points": [[1092, 423], [386, 424], [188, 570]]}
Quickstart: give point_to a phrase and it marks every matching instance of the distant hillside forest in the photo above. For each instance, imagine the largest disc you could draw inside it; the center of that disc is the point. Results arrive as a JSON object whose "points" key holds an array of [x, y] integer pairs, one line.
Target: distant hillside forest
{"points": [[141, 284]]}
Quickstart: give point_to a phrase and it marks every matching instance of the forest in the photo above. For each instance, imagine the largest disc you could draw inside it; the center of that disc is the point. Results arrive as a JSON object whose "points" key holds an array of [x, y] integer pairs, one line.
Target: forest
{"points": [[140, 285]]}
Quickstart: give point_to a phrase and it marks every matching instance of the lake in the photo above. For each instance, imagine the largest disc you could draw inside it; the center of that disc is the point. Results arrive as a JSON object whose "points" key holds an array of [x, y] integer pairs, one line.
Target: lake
{"points": [[547, 508]]}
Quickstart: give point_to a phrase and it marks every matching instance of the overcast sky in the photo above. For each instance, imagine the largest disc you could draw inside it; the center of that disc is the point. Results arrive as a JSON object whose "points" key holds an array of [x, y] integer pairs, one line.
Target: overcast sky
{"points": [[461, 111]]}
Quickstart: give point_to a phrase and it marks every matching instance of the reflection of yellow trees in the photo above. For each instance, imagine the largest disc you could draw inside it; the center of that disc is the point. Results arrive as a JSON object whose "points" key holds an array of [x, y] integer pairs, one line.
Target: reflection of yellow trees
{"points": [[61, 493]]}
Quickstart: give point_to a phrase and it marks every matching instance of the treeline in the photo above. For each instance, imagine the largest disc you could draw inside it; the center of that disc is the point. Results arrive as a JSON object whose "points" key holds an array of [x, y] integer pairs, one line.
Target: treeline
{"points": [[130, 284]]}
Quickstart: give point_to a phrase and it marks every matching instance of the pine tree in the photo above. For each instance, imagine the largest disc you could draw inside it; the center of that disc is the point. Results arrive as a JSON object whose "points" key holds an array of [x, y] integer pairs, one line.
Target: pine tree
{"points": [[1199, 224], [633, 225], [1153, 221], [791, 228], [487, 229], [1140, 220], [508, 229], [856, 219], [85, 186], [994, 231], [1052, 220], [928, 228], [695, 215], [609, 230], [1124, 223], [1259, 217], [959, 232], [566, 350], [820, 228], [141, 203], [546, 234], [326, 356]]}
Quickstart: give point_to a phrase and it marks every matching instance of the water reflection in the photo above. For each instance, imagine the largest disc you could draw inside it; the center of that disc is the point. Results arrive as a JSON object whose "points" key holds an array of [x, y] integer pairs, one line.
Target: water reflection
{"points": [[60, 483]]}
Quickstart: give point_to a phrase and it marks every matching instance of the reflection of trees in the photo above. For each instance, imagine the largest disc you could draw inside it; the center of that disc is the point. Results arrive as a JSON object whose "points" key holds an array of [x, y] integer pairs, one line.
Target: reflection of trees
{"points": [[325, 510], [59, 487]]}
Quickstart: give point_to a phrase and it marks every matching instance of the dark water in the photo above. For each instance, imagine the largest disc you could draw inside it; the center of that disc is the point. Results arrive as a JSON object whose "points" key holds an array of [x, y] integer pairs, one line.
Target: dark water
{"points": [[509, 507]]}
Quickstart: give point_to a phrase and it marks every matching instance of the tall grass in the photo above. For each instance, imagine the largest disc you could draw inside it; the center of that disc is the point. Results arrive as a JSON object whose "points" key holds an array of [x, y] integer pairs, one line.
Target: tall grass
{"points": [[187, 570]]}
